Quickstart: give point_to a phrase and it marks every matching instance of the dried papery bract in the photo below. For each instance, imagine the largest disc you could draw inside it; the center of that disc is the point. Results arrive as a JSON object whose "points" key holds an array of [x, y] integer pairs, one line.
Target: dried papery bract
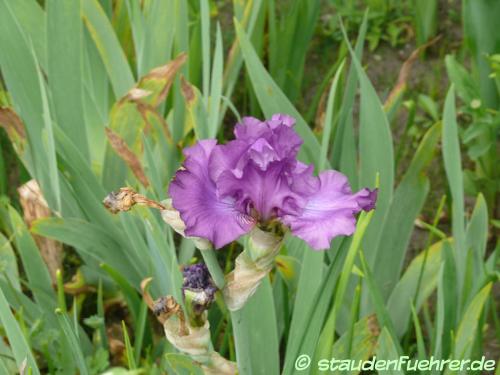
{"points": [[252, 265], [35, 207], [172, 217], [193, 341]]}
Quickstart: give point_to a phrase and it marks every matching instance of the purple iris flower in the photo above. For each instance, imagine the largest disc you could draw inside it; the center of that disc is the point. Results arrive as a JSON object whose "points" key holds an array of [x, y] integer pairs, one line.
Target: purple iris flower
{"points": [[224, 190]]}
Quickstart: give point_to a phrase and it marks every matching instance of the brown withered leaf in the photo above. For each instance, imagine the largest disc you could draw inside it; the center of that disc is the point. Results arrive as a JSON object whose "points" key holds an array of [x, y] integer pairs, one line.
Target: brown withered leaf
{"points": [[165, 75], [374, 326], [127, 155], [13, 125], [187, 90], [320, 112], [405, 70], [35, 207], [137, 93], [11, 122]]}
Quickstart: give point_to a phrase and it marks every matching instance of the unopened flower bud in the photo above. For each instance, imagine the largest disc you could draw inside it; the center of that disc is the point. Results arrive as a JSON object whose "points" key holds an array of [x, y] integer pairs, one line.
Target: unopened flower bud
{"points": [[199, 291]]}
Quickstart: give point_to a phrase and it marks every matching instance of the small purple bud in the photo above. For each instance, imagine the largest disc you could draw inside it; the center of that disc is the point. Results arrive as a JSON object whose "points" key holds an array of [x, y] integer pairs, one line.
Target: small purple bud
{"points": [[198, 287]]}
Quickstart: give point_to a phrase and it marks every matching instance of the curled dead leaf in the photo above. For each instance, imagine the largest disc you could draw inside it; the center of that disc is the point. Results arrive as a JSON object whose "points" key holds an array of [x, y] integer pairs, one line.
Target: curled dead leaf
{"points": [[137, 93], [187, 90], [13, 125], [373, 326], [167, 73], [35, 207], [127, 155], [405, 70], [11, 122]]}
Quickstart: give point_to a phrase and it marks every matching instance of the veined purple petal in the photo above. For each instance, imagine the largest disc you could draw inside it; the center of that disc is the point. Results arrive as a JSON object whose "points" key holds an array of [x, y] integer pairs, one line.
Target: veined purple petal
{"points": [[329, 212], [227, 157], [194, 195], [258, 191]]}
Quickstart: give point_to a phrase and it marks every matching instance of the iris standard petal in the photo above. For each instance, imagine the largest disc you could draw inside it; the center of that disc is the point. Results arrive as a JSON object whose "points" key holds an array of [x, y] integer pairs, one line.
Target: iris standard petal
{"points": [[194, 195], [261, 193], [329, 212], [250, 128]]}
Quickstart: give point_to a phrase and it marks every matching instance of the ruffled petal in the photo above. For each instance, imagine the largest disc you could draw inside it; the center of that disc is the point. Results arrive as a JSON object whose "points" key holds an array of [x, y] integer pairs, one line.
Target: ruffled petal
{"points": [[329, 212], [260, 193], [276, 133], [227, 157], [194, 195], [285, 141], [279, 119], [250, 129]]}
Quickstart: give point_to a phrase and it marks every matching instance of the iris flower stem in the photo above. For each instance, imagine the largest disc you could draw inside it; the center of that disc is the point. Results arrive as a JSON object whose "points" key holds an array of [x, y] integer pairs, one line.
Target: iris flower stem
{"points": [[213, 267]]}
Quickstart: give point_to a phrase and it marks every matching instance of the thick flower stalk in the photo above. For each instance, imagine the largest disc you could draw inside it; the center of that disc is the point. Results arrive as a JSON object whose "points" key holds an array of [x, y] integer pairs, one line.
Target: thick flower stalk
{"points": [[255, 184]]}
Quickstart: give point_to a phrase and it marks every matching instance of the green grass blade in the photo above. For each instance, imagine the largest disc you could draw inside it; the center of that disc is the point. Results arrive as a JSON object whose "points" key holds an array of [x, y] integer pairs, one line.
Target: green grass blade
{"points": [[137, 24], [364, 341], [17, 341], [436, 346], [468, 327], [480, 17], [387, 350], [383, 315], [310, 278], [450, 295], [48, 146], [205, 46], [406, 204], [248, 19], [425, 19], [129, 293], [404, 291], [256, 334], [329, 331], [20, 72], [129, 351], [309, 317], [344, 149], [101, 314], [327, 127], [108, 46], [33, 264], [73, 342], [215, 87], [158, 36], [93, 241], [476, 236], [8, 269], [139, 331], [33, 20], [453, 168], [375, 150], [422, 355], [65, 39]]}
